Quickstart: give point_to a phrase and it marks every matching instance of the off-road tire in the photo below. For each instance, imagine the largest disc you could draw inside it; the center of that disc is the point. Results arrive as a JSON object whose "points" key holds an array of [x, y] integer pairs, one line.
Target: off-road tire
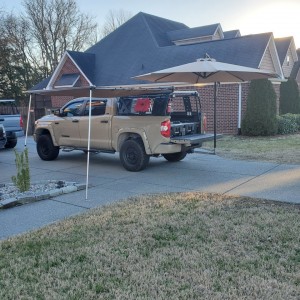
{"points": [[45, 148], [133, 156], [173, 157]]}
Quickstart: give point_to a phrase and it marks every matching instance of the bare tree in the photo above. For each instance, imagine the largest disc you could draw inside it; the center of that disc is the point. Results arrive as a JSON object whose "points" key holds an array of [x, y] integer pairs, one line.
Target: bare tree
{"points": [[56, 26], [114, 19]]}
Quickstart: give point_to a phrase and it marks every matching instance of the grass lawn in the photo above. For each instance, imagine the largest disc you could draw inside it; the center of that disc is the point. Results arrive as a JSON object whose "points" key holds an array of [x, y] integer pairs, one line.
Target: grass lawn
{"points": [[174, 246], [280, 148]]}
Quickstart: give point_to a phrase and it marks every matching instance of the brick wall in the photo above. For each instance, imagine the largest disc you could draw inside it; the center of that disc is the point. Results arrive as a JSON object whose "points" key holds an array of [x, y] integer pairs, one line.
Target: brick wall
{"points": [[68, 68], [227, 106]]}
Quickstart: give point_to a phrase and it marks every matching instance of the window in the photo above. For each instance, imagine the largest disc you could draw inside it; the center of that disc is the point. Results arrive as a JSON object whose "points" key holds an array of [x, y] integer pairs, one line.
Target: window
{"points": [[97, 109], [67, 80], [147, 105], [74, 109]]}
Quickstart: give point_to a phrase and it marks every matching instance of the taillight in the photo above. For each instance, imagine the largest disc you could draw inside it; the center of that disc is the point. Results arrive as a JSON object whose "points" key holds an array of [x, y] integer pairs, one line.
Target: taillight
{"points": [[21, 122], [165, 128]]}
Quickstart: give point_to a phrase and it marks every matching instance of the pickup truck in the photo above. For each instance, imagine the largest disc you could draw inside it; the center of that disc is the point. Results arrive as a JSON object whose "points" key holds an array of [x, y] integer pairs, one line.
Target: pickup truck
{"points": [[11, 119], [166, 123]]}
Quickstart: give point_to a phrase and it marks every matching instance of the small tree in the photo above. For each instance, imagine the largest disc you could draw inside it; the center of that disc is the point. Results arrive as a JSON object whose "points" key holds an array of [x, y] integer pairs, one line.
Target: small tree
{"points": [[22, 180], [260, 117], [289, 97]]}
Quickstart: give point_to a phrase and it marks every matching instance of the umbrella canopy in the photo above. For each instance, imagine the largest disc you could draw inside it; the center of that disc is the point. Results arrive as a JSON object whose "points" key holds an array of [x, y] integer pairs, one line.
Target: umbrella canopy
{"points": [[206, 70]]}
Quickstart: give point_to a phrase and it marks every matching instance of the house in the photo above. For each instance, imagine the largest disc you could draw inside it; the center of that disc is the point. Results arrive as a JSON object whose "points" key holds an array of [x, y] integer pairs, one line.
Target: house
{"points": [[296, 69], [147, 43], [286, 50]]}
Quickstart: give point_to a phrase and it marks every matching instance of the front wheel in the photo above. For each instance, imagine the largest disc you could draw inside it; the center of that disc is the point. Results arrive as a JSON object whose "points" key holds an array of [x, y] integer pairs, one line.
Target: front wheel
{"points": [[133, 155], [45, 148], [173, 157]]}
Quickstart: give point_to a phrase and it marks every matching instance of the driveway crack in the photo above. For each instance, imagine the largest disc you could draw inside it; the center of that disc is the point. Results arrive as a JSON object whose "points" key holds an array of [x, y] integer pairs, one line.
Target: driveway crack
{"points": [[257, 176]]}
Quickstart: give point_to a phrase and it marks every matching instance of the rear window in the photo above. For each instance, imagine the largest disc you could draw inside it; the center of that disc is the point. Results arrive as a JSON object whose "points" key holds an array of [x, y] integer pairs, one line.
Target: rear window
{"points": [[8, 108], [146, 105]]}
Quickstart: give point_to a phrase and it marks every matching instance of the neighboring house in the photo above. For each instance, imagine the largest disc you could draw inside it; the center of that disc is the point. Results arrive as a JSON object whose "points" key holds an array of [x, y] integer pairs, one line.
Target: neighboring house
{"points": [[286, 50], [296, 69], [147, 43]]}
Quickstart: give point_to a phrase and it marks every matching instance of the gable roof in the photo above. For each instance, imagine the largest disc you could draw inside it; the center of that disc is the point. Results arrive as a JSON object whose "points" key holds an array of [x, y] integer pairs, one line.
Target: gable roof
{"points": [[142, 45], [85, 61], [282, 45]]}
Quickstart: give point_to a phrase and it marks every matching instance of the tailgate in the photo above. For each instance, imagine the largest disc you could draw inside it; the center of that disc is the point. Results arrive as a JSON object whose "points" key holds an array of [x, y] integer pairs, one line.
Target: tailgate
{"points": [[193, 139]]}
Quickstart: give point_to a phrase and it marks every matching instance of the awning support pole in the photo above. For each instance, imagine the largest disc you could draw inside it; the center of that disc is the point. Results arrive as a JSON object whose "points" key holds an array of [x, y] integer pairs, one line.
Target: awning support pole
{"points": [[89, 146], [215, 117], [28, 121]]}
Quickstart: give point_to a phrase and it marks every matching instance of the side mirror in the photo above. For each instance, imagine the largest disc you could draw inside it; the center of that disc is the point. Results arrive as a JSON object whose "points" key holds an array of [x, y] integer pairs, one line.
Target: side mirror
{"points": [[59, 113]]}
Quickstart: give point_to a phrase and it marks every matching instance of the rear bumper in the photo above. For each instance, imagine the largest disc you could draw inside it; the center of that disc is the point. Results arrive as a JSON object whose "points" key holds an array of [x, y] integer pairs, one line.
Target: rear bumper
{"points": [[167, 148], [13, 135]]}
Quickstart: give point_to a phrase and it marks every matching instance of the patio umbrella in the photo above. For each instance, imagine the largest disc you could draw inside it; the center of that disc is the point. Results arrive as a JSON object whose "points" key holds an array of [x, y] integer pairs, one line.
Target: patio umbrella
{"points": [[207, 70]]}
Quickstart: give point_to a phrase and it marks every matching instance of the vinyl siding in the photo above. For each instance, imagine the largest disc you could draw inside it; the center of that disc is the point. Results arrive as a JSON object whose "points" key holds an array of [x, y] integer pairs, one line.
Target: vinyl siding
{"points": [[267, 62], [287, 66]]}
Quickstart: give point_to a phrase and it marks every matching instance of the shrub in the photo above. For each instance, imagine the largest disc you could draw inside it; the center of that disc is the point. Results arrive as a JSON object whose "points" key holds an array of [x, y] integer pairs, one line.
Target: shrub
{"points": [[286, 125], [260, 116], [22, 180], [289, 101], [294, 118]]}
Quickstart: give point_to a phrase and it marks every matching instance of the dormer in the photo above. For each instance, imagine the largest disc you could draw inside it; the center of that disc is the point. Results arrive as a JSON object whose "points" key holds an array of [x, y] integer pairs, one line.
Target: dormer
{"points": [[188, 36], [231, 34]]}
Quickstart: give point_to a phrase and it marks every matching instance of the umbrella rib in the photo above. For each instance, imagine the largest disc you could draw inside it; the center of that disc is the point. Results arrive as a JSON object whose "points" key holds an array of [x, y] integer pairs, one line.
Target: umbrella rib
{"points": [[160, 78], [204, 75], [238, 77]]}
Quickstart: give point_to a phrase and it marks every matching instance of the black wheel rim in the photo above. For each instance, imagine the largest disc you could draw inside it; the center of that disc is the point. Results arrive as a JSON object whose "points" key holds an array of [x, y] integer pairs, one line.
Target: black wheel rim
{"points": [[44, 148], [131, 156]]}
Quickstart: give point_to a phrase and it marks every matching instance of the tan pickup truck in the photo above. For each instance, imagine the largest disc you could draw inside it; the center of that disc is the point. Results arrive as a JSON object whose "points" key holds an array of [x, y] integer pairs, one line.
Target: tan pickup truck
{"points": [[138, 127]]}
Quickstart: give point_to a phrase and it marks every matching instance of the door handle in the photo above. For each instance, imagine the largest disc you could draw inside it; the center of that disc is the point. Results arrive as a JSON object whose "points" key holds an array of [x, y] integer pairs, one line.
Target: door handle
{"points": [[75, 121], [104, 121]]}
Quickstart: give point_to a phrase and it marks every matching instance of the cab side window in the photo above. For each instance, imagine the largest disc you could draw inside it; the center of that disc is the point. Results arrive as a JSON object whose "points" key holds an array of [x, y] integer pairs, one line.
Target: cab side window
{"points": [[74, 109], [97, 109]]}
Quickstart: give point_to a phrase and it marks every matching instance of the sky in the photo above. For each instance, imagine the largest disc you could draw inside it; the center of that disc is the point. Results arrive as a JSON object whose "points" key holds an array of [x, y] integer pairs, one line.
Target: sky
{"points": [[282, 17]]}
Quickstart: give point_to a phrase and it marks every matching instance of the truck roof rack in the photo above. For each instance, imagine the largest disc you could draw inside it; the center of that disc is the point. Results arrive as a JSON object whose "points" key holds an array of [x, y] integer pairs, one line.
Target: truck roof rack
{"points": [[185, 93]]}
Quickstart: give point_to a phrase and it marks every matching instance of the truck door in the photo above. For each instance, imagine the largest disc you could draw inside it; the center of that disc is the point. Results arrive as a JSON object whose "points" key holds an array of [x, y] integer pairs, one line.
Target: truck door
{"points": [[67, 126], [100, 125]]}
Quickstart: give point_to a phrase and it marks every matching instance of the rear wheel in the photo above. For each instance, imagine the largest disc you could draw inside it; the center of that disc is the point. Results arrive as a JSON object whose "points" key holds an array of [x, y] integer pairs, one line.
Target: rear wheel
{"points": [[133, 155], [173, 157], [45, 148]]}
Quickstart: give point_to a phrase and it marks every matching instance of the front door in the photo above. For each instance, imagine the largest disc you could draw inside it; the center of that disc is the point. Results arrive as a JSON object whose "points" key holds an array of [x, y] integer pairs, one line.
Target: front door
{"points": [[67, 127]]}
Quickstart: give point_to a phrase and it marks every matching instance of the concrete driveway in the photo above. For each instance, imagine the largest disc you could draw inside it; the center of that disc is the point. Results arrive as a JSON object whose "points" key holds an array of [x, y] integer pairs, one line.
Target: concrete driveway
{"points": [[110, 182]]}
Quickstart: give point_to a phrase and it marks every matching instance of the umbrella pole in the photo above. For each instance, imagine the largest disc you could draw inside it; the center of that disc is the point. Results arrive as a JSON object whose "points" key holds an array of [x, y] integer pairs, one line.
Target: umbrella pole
{"points": [[215, 117], [28, 120], [89, 145]]}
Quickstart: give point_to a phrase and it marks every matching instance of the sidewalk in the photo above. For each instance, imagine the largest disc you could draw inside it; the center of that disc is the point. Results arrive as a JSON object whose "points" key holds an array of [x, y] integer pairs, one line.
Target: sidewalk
{"points": [[110, 182]]}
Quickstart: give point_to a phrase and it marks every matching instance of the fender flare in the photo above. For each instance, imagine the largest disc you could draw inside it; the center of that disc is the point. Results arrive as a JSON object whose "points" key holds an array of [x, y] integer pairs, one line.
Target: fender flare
{"points": [[127, 133]]}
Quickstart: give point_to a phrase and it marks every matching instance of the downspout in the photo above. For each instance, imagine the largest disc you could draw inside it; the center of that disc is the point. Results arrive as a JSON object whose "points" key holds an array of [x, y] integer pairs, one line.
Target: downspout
{"points": [[240, 110]]}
